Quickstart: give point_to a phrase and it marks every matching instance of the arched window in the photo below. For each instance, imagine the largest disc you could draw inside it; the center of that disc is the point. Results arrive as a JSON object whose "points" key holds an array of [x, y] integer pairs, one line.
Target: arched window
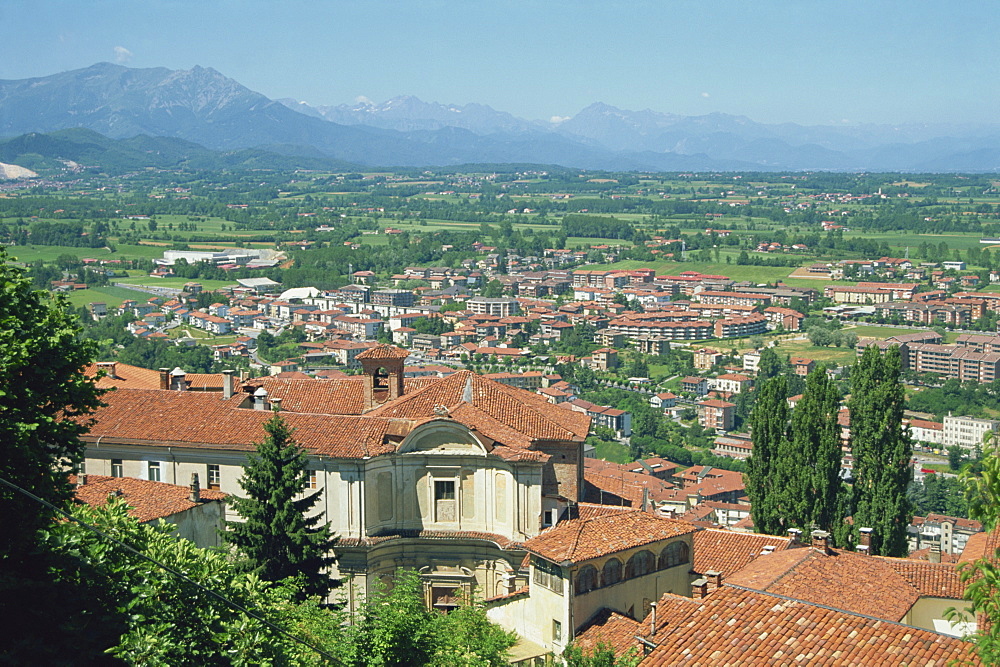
{"points": [[640, 564], [612, 572], [586, 579], [676, 553]]}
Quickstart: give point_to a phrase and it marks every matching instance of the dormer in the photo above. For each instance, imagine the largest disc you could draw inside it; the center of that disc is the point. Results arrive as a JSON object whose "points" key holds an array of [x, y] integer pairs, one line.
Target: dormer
{"points": [[383, 369]]}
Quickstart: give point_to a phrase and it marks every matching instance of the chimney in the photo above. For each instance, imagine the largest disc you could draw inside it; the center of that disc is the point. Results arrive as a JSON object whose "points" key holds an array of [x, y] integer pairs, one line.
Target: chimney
{"points": [[714, 578], [821, 541], [652, 619], [260, 399], [276, 404], [195, 495], [177, 379], [795, 538], [768, 549], [109, 367], [81, 479], [935, 554], [164, 378], [227, 384], [699, 589], [866, 540]]}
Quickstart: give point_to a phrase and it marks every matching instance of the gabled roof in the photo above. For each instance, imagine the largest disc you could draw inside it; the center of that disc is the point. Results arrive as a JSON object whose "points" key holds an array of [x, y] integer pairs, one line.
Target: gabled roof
{"points": [[202, 419], [740, 627], [328, 396], [148, 500], [521, 411], [134, 377], [848, 580], [582, 539], [728, 552]]}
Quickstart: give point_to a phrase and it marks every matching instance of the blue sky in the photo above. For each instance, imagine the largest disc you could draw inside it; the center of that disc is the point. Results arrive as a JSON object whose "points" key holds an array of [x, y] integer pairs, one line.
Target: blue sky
{"points": [[804, 61]]}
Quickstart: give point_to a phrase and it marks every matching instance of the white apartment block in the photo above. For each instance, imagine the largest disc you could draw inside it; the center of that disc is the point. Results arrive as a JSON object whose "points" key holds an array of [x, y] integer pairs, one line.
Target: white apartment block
{"points": [[967, 432]]}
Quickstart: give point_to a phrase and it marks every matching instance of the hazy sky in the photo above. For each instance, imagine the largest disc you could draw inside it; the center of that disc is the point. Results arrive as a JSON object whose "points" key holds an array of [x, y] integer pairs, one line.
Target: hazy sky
{"points": [[804, 61]]}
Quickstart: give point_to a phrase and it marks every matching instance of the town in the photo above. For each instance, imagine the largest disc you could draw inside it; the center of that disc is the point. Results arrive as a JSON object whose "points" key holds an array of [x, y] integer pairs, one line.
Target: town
{"points": [[546, 409]]}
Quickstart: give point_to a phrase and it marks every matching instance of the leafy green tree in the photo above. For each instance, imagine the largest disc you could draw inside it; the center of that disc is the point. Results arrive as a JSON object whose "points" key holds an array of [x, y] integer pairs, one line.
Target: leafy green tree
{"points": [[166, 620], [881, 449], [768, 427], [44, 403], [769, 365], [602, 655], [492, 289], [395, 627], [812, 467], [982, 576], [44, 400], [276, 539], [955, 457]]}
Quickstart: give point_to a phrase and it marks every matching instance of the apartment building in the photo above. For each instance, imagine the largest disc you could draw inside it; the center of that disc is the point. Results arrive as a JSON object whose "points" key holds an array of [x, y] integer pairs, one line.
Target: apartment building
{"points": [[717, 415], [734, 298], [392, 297], [501, 307], [966, 432], [738, 327]]}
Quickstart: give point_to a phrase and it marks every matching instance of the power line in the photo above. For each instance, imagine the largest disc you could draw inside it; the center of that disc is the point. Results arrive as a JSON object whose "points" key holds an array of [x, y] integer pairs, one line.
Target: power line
{"points": [[180, 575]]}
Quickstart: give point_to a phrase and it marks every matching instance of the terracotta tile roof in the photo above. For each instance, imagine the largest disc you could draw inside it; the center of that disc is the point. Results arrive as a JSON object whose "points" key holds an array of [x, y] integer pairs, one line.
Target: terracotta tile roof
{"points": [[925, 554], [148, 500], [582, 539], [728, 552], [608, 627], [202, 419], [738, 627], [939, 580], [134, 377], [508, 596], [591, 510], [882, 587], [384, 352], [603, 481], [978, 546], [526, 413], [326, 396]]}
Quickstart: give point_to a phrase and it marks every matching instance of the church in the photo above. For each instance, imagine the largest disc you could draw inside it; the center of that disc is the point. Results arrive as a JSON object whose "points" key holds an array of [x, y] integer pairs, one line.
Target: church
{"points": [[447, 476]]}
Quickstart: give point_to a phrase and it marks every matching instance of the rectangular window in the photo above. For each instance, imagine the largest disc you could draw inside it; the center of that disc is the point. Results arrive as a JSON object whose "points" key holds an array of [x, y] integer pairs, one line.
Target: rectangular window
{"points": [[214, 476], [153, 470], [117, 469], [444, 489], [313, 480], [547, 574], [556, 631]]}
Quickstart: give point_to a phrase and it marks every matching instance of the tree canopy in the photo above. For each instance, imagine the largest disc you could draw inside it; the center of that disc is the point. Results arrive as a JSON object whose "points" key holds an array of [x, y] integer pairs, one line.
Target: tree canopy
{"points": [[276, 538]]}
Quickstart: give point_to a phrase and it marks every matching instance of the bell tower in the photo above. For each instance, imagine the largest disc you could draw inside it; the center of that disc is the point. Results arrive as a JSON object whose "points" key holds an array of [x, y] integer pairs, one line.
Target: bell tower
{"points": [[383, 367]]}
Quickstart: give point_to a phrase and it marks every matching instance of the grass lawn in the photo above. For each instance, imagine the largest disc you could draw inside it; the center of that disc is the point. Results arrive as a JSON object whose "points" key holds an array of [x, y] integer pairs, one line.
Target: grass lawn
{"points": [[111, 295], [177, 283], [841, 356], [881, 332], [615, 452], [203, 337], [49, 253], [759, 274]]}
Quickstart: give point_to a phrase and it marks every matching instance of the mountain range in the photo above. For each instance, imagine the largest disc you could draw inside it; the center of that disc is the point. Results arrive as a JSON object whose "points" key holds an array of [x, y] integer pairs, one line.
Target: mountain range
{"points": [[209, 110]]}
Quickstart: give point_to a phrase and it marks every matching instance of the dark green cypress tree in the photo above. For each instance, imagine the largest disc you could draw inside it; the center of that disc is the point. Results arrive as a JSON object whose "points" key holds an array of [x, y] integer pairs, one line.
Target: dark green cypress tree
{"points": [[276, 539], [813, 460], [881, 450], [768, 426]]}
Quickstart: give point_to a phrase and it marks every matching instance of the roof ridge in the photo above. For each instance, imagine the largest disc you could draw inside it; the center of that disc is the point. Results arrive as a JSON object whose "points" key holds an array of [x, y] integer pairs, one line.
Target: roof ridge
{"points": [[831, 608], [540, 413]]}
